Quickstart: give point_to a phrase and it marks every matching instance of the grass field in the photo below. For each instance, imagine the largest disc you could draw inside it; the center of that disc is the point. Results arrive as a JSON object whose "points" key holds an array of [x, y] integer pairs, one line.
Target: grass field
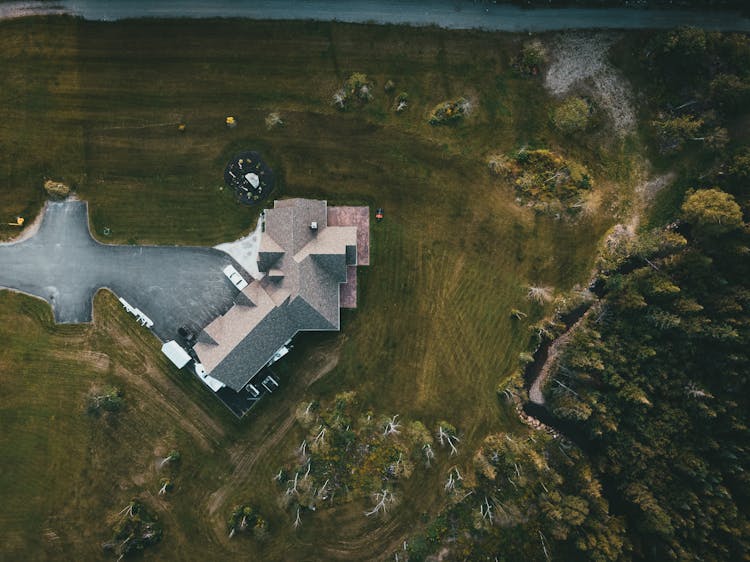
{"points": [[98, 104]]}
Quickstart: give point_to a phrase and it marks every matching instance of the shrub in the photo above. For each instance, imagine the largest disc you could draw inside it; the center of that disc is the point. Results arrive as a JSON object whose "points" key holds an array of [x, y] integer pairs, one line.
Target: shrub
{"points": [[450, 111], [359, 86], [56, 189], [401, 102], [572, 115], [108, 400], [531, 58], [135, 529], [543, 179], [356, 87]]}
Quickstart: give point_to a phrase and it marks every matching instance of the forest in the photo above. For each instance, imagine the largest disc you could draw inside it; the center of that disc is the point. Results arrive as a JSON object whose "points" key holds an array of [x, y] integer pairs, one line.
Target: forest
{"points": [[654, 381]]}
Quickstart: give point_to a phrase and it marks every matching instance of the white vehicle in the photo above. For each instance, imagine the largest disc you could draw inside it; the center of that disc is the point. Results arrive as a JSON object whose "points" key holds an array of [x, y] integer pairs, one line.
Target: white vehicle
{"points": [[235, 277]]}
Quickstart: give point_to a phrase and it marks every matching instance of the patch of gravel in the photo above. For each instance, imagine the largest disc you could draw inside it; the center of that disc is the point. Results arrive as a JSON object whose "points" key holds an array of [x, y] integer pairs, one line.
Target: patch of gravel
{"points": [[579, 60], [245, 250], [650, 188]]}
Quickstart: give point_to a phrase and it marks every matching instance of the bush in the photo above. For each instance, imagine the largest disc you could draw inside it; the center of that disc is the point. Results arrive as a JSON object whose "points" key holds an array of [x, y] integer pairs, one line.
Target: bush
{"points": [[544, 180], [135, 530], [108, 400], [56, 189], [401, 102], [357, 87], [246, 518], [572, 115], [450, 111], [531, 58]]}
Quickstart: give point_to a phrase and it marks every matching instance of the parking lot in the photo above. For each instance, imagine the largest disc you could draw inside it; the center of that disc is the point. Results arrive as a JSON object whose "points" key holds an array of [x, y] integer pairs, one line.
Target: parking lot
{"points": [[173, 285]]}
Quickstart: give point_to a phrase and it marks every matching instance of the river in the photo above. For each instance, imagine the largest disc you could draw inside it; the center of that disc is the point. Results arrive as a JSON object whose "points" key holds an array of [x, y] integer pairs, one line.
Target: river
{"points": [[452, 14]]}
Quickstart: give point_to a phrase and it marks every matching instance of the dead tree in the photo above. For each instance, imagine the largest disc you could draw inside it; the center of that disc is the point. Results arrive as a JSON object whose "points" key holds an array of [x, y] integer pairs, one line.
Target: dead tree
{"points": [[293, 488], [429, 454], [166, 483], [445, 437], [297, 520], [322, 492], [129, 509], [320, 436], [392, 426], [544, 546], [485, 509], [174, 456], [383, 497], [518, 314], [451, 483], [339, 99], [540, 294]]}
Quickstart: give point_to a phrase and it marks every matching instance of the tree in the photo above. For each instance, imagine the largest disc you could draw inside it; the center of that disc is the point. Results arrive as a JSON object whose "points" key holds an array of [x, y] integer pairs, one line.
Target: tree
{"points": [[731, 92], [739, 168], [672, 132], [572, 115], [684, 43], [712, 211]]}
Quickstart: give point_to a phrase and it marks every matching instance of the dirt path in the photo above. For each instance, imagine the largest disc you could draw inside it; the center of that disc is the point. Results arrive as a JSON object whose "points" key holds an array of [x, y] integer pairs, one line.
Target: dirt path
{"points": [[245, 456], [152, 379]]}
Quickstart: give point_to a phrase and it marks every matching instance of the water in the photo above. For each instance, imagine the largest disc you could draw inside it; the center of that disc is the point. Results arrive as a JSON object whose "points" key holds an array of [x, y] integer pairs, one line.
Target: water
{"points": [[454, 14]]}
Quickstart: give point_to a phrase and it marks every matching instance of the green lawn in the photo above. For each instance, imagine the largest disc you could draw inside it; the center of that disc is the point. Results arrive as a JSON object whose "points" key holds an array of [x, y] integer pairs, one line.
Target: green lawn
{"points": [[97, 105]]}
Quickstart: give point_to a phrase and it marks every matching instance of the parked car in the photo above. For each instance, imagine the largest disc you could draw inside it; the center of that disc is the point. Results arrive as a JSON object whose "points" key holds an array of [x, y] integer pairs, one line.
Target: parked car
{"points": [[235, 277]]}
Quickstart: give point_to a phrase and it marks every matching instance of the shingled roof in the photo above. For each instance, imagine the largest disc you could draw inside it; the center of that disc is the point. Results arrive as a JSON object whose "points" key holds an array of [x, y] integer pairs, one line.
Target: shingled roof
{"points": [[305, 262]]}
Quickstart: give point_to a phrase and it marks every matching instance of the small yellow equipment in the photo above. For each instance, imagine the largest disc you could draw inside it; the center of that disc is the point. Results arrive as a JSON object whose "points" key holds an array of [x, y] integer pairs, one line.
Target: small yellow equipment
{"points": [[181, 127], [231, 122], [19, 222]]}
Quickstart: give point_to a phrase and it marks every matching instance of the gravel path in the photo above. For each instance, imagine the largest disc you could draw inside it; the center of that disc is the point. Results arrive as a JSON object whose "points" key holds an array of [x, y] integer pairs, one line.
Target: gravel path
{"points": [[580, 61], [245, 250]]}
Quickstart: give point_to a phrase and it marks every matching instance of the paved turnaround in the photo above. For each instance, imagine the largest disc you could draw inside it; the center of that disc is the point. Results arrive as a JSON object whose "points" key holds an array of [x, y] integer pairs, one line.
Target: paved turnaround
{"points": [[173, 285]]}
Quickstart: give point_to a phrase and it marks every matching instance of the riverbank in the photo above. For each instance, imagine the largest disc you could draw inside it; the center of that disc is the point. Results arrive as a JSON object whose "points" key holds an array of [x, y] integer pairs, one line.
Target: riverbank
{"points": [[449, 14]]}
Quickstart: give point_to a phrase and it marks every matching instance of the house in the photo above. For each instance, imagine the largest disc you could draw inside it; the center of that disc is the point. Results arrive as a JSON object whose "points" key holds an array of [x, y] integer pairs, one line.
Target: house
{"points": [[308, 256]]}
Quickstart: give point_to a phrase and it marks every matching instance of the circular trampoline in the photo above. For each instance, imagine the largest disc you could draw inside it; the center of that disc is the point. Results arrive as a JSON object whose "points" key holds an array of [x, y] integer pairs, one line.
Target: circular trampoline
{"points": [[250, 177]]}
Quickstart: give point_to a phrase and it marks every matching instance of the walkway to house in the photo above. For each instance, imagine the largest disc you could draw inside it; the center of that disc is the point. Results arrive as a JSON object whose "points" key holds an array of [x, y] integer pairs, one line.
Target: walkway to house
{"points": [[173, 285]]}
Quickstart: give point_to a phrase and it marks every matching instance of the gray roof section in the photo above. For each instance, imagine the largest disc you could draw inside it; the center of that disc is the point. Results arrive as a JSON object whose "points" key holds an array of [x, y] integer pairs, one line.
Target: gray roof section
{"points": [[254, 351]]}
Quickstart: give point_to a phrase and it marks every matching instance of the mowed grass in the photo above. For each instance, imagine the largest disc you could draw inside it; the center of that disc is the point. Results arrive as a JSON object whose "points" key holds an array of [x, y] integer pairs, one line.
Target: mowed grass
{"points": [[98, 105]]}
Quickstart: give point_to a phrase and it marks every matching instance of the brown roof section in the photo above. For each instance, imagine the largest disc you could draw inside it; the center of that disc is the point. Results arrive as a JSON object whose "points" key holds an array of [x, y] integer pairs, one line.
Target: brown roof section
{"points": [[354, 216], [358, 217]]}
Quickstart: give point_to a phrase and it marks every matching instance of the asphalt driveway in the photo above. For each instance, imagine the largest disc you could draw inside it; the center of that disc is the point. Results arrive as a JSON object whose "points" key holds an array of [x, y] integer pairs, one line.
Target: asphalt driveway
{"points": [[173, 285]]}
